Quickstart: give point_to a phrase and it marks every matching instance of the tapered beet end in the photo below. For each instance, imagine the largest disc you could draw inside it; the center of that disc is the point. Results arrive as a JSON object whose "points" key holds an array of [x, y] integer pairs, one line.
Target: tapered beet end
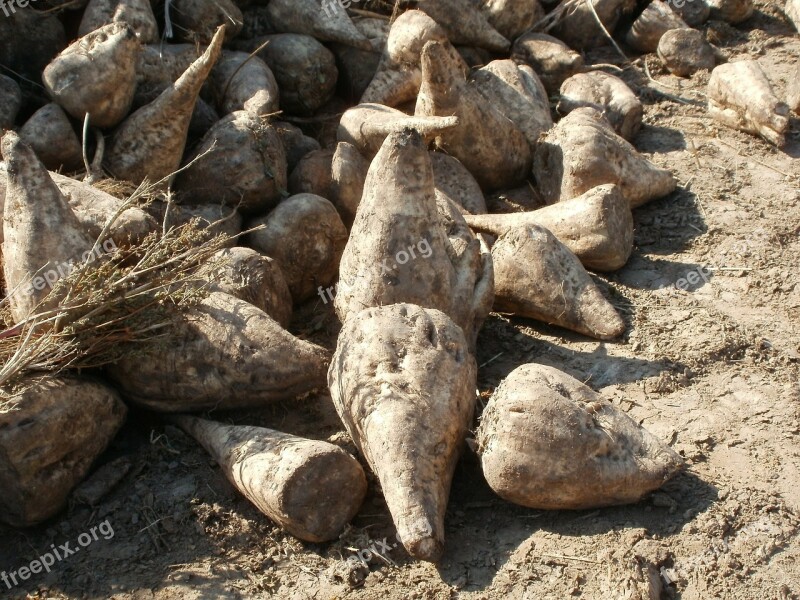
{"points": [[16, 153], [311, 488], [427, 548], [599, 317], [403, 382], [442, 78]]}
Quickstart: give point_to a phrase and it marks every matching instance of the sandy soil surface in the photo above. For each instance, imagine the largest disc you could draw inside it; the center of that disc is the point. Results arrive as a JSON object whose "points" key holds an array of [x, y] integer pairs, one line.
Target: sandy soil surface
{"points": [[712, 370]]}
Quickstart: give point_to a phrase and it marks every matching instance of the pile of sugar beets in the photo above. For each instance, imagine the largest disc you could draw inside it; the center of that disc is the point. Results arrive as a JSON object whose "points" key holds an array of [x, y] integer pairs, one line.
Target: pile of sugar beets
{"points": [[440, 109]]}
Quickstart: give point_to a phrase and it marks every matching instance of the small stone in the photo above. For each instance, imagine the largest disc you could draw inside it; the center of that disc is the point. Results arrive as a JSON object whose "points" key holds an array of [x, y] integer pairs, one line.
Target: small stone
{"points": [[685, 51]]}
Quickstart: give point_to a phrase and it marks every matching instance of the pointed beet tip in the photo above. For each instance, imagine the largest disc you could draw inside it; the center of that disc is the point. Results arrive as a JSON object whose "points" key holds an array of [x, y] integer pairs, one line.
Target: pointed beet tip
{"points": [[16, 153], [430, 127], [214, 49], [611, 328], [599, 316], [433, 50], [442, 76], [9, 144], [428, 549]]}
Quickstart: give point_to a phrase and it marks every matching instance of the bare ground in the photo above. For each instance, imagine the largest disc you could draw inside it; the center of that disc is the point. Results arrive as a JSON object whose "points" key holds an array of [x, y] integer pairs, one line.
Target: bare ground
{"points": [[712, 370]]}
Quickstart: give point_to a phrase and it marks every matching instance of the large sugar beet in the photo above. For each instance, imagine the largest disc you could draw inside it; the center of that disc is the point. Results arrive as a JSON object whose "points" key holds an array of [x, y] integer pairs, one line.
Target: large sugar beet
{"points": [[452, 179], [366, 126], [519, 94], [685, 51], [537, 276], [551, 59], [52, 137], [240, 161], [306, 236], [243, 82], [656, 20], [149, 144], [96, 74], [464, 24], [579, 27], [312, 175], [224, 353], [136, 13], [490, 145], [48, 441], [512, 18], [402, 250], [159, 67], [694, 14], [547, 441], [295, 143], [326, 21], [304, 69], [399, 74], [348, 173], [310, 488], [403, 382], [337, 175], [732, 11], [740, 96], [253, 277], [596, 226], [40, 230], [607, 94], [582, 152]]}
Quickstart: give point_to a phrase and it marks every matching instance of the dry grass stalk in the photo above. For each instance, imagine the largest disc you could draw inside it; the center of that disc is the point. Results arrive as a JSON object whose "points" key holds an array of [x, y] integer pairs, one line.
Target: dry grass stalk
{"points": [[110, 306]]}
